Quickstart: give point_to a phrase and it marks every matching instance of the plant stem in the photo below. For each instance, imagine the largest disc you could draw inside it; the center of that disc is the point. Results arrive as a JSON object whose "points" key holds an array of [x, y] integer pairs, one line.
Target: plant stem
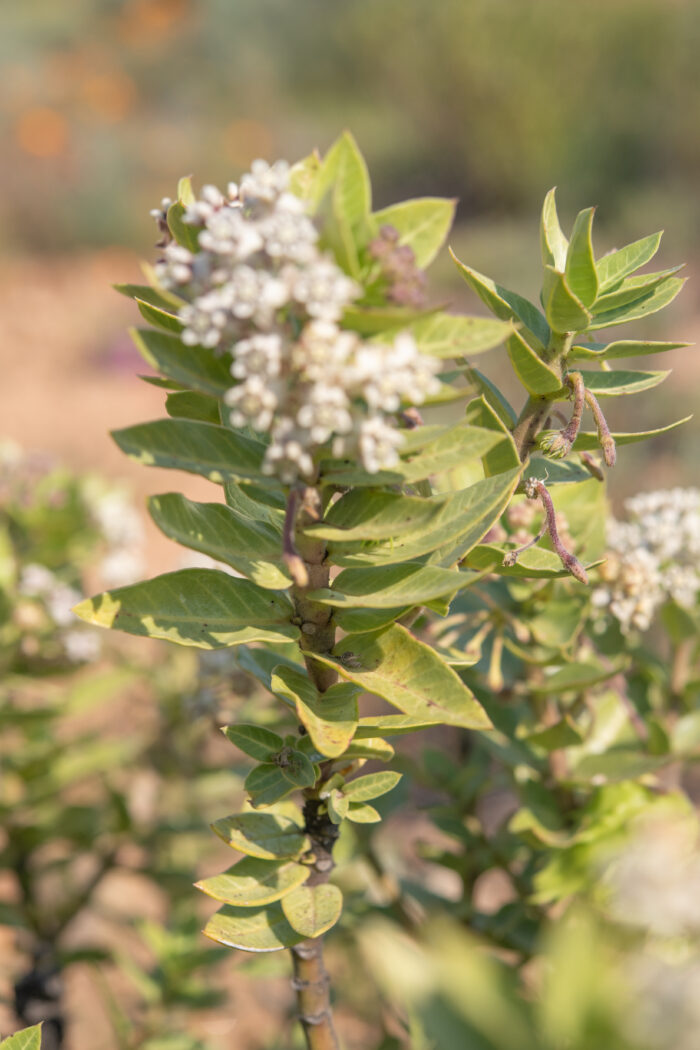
{"points": [[536, 408], [311, 982]]}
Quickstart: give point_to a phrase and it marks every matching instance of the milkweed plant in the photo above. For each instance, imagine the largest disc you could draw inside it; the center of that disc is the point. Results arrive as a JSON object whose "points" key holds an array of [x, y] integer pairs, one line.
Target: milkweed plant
{"points": [[372, 483]]}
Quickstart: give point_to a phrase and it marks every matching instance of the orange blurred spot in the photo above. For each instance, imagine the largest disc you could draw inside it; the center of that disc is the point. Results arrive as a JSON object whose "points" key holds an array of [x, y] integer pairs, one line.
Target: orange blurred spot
{"points": [[245, 140], [152, 17], [42, 132], [109, 95]]}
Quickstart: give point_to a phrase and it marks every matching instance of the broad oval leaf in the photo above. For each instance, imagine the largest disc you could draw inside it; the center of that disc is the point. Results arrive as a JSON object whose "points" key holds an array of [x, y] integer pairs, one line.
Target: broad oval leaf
{"points": [[536, 376], [330, 718], [312, 910], [423, 224], [576, 677], [389, 586], [268, 836], [536, 562], [262, 929], [253, 882], [195, 367], [191, 404], [215, 452], [361, 813], [201, 607], [253, 548], [661, 296], [451, 336], [260, 743], [378, 515], [564, 311], [581, 273], [615, 266], [355, 621], [632, 289], [374, 785], [406, 672]]}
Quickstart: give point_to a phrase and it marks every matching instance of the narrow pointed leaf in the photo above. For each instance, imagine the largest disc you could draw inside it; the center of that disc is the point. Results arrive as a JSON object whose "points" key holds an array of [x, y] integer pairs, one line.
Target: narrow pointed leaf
{"points": [[200, 607], [553, 243], [449, 336], [158, 297], [632, 289], [385, 587], [493, 397], [564, 311], [194, 367], [390, 725], [262, 929], [619, 349], [615, 266], [574, 676], [155, 315], [260, 743], [329, 718], [266, 785], [186, 235], [504, 456], [374, 320], [536, 376], [588, 442], [27, 1039], [581, 273], [215, 452], [253, 548], [655, 300], [374, 785], [378, 515], [253, 882], [423, 224], [312, 910], [268, 836], [614, 384], [506, 305], [190, 404], [408, 674]]}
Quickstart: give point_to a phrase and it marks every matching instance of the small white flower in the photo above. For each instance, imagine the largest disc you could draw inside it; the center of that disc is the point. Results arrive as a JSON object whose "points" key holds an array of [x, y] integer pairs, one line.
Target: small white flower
{"points": [[81, 645], [264, 182], [227, 232], [253, 403], [261, 354], [60, 601], [325, 412], [36, 580], [175, 268], [324, 290], [378, 443], [288, 236]]}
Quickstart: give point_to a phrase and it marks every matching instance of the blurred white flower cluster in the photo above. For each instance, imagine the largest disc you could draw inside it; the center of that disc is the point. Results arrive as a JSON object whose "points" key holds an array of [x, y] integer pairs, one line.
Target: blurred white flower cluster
{"points": [[653, 556], [261, 287], [122, 528]]}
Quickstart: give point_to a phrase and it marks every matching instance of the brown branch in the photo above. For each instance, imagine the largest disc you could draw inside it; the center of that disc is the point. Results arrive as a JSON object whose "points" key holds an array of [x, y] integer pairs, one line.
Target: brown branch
{"points": [[607, 441]]}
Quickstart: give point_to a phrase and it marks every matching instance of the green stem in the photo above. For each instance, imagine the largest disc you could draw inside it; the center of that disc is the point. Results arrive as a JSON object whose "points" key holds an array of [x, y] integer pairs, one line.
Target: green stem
{"points": [[536, 408]]}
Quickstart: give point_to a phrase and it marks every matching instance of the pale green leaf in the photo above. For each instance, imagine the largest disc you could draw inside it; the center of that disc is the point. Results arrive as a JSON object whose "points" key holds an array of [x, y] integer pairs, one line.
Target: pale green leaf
{"points": [[631, 290], [159, 317], [374, 785], [506, 305], [374, 515], [618, 349], [27, 1039], [262, 929], [535, 562], [564, 311], [253, 548], [615, 266], [588, 442], [493, 397], [660, 296], [330, 718], [581, 274], [186, 235], [268, 836], [564, 733], [374, 320], [312, 910], [194, 367], [355, 621], [337, 806], [614, 384], [200, 607], [423, 224], [253, 882], [536, 376], [450, 336], [215, 452], [408, 674], [390, 725], [361, 813], [574, 676], [389, 586], [553, 243]]}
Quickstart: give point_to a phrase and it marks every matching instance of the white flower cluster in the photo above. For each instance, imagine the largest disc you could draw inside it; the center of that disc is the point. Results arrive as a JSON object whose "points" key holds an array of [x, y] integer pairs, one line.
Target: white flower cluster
{"points": [[653, 556], [261, 288], [80, 644], [122, 528]]}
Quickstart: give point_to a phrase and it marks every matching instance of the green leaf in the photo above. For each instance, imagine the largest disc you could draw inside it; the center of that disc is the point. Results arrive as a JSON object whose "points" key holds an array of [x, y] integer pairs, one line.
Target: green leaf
{"points": [[252, 929], [374, 785], [257, 504], [564, 733], [266, 785], [253, 882], [312, 910], [374, 320], [483, 412], [342, 194], [581, 273], [423, 224], [355, 621], [200, 607], [194, 367], [215, 452], [661, 296], [450, 336], [374, 515], [574, 676], [537, 377], [449, 450], [187, 236], [615, 266], [389, 586], [588, 442], [260, 743], [493, 397], [360, 813], [390, 725], [268, 836], [165, 319], [616, 765], [553, 243], [465, 517], [189, 404], [329, 718], [538, 562], [406, 672], [632, 289], [564, 311], [614, 384], [27, 1039], [253, 548], [620, 348], [185, 193], [373, 748], [337, 806], [159, 297], [507, 305]]}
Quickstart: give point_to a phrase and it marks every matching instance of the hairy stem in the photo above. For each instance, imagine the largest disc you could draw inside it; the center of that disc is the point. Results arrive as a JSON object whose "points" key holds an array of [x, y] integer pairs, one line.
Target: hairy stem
{"points": [[311, 982]]}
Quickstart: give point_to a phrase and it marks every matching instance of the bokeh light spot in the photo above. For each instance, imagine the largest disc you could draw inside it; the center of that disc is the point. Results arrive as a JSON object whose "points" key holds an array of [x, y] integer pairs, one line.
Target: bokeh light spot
{"points": [[42, 132]]}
